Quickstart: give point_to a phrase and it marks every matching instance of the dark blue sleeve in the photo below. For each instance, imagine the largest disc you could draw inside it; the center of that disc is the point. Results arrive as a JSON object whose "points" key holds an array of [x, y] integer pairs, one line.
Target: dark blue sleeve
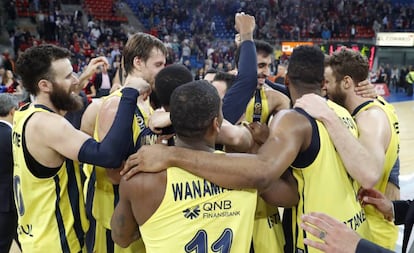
{"points": [[115, 146], [238, 96], [395, 173], [401, 208], [277, 86], [365, 246]]}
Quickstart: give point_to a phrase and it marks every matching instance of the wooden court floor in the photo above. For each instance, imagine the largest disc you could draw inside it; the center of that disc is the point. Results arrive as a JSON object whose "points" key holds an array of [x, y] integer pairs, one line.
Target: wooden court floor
{"points": [[405, 112]]}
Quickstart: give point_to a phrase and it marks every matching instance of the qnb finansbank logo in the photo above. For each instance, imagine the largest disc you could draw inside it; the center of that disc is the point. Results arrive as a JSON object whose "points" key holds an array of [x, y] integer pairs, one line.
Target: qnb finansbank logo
{"points": [[215, 209], [192, 212]]}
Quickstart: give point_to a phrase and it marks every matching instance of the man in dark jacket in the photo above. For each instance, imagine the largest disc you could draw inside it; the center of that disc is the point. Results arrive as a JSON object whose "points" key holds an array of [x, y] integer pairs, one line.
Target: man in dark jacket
{"points": [[103, 81], [8, 213]]}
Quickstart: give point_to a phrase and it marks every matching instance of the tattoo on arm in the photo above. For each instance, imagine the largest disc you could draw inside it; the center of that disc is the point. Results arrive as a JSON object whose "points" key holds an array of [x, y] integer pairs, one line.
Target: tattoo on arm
{"points": [[120, 221]]}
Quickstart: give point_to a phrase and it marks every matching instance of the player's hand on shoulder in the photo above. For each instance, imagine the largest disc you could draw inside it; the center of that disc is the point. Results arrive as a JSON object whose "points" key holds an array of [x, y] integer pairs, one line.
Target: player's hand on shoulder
{"points": [[366, 89], [149, 158], [314, 105], [138, 83]]}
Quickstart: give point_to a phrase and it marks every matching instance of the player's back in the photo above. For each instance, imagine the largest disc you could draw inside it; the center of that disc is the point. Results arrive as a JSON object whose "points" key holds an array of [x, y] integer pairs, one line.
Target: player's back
{"points": [[197, 214]]}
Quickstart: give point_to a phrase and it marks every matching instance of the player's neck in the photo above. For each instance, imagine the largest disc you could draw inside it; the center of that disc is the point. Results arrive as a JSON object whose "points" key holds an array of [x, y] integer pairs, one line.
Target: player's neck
{"points": [[196, 144], [40, 100], [353, 102]]}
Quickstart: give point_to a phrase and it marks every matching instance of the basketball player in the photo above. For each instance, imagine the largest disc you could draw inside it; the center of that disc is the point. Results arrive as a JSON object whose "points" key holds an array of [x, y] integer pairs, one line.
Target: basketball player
{"points": [[176, 211], [378, 141], [47, 187], [295, 140], [144, 56]]}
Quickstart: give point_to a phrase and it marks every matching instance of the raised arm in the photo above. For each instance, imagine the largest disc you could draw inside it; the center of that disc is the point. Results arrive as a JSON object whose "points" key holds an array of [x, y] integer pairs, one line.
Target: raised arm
{"points": [[91, 69], [238, 96]]}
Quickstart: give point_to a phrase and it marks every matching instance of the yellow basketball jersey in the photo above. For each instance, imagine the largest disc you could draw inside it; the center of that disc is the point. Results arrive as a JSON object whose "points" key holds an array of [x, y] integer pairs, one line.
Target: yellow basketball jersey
{"points": [[268, 233], [324, 184], [258, 107], [102, 195], [51, 209], [196, 215], [384, 232]]}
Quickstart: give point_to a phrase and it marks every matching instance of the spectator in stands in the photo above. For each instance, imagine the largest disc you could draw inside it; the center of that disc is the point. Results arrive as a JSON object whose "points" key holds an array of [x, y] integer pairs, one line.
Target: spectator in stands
{"points": [[102, 81], [200, 74], [403, 73], [8, 62], [2, 72], [395, 76], [409, 78], [326, 33], [9, 83], [352, 33]]}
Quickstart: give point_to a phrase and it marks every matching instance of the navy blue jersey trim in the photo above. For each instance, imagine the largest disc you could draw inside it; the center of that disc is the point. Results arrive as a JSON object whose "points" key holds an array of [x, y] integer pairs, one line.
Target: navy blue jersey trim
{"points": [[257, 106], [305, 158], [90, 236], [359, 107], [59, 219], [73, 192], [109, 242], [44, 107]]}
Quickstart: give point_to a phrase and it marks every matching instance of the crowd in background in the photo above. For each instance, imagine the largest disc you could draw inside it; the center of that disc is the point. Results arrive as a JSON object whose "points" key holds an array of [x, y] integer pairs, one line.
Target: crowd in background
{"points": [[190, 36]]}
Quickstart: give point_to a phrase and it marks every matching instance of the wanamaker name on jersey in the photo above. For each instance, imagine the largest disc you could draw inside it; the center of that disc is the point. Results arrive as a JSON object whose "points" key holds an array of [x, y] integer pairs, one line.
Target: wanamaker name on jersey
{"points": [[195, 189]]}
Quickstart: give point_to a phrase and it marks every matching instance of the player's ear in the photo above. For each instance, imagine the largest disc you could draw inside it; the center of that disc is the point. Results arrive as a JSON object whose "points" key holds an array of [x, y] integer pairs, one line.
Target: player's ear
{"points": [[347, 82], [216, 124], [44, 85]]}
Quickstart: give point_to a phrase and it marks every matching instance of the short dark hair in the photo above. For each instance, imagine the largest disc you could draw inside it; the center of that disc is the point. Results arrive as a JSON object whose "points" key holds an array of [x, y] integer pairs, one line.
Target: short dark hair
{"points": [[262, 47], [140, 45], [306, 67], [7, 103], [193, 107], [347, 62], [35, 64], [225, 77], [168, 79]]}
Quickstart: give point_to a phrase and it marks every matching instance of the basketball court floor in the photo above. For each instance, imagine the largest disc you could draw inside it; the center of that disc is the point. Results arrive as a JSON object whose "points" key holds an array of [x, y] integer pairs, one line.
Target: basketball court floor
{"points": [[405, 110], [404, 107]]}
